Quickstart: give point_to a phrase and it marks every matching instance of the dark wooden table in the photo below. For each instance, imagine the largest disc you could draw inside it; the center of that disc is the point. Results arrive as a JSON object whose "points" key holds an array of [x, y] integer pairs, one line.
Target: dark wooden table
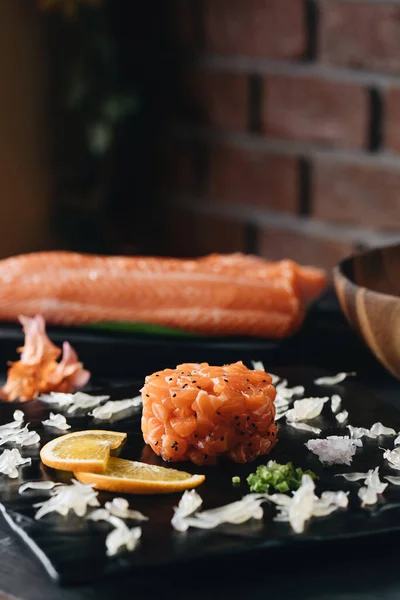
{"points": [[364, 570]]}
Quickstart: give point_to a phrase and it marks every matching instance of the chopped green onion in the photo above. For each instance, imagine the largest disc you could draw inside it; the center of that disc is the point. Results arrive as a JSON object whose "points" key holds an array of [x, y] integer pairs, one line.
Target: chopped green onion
{"points": [[282, 478], [236, 480]]}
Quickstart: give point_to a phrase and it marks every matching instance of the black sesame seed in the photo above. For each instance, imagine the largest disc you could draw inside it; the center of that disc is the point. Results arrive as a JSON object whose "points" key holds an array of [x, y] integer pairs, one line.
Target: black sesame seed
{"points": [[236, 417], [222, 439], [147, 396], [249, 388], [157, 375], [194, 381], [156, 444], [248, 380], [218, 413], [174, 395], [247, 418], [226, 381], [268, 433], [198, 387], [184, 386], [195, 414], [264, 381], [253, 424], [195, 435], [273, 432], [250, 443], [176, 448]]}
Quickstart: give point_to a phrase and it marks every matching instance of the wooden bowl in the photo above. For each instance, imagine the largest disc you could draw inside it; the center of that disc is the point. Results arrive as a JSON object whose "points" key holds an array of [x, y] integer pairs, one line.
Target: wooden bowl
{"points": [[368, 288]]}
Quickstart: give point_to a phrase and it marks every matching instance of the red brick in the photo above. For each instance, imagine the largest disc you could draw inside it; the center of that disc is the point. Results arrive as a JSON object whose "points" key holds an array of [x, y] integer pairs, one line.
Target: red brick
{"points": [[359, 194], [392, 119], [217, 99], [276, 244], [360, 34], [256, 28], [304, 108], [253, 178], [177, 168], [188, 233]]}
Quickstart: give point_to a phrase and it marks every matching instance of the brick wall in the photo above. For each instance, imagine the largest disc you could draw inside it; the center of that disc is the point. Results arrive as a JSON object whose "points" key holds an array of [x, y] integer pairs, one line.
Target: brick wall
{"points": [[284, 137]]}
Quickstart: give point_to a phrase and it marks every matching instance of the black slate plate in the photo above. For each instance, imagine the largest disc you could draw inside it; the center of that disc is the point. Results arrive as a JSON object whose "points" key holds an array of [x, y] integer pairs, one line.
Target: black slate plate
{"points": [[72, 549]]}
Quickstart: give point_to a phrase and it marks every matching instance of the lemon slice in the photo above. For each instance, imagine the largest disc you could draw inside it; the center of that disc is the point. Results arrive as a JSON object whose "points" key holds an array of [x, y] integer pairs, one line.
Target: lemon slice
{"points": [[130, 477], [82, 450]]}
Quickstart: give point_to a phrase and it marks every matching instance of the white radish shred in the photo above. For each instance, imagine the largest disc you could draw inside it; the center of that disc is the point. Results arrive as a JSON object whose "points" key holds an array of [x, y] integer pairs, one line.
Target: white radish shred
{"points": [[334, 450], [378, 429], [356, 433], [333, 380], [304, 504], [122, 537], [57, 421], [18, 416], [37, 485], [353, 476], [113, 407], [397, 441], [20, 436], [10, 460], [373, 488], [306, 409], [74, 402], [304, 427], [235, 513], [392, 479], [85, 402], [75, 497], [336, 403], [342, 417], [119, 507], [288, 393], [279, 415], [393, 458]]}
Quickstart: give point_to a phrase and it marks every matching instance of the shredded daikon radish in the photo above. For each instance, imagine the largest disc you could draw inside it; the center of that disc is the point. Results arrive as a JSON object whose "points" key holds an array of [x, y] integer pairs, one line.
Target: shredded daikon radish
{"points": [[18, 416], [392, 479], [119, 507], [20, 437], [304, 427], [234, 513], [57, 421], [393, 457], [342, 416], [122, 537], [353, 476], [334, 450], [336, 402], [333, 380], [76, 497], [304, 504], [10, 460], [113, 407], [37, 485], [356, 433], [306, 409], [374, 486], [378, 429], [74, 402]]}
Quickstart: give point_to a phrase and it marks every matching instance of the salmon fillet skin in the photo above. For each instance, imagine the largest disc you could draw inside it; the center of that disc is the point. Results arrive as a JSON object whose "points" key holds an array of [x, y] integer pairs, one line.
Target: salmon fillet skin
{"points": [[229, 294]]}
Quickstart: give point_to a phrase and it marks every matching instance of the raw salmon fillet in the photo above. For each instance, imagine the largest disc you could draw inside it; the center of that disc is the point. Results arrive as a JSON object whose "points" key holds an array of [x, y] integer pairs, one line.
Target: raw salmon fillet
{"points": [[198, 412], [217, 295]]}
